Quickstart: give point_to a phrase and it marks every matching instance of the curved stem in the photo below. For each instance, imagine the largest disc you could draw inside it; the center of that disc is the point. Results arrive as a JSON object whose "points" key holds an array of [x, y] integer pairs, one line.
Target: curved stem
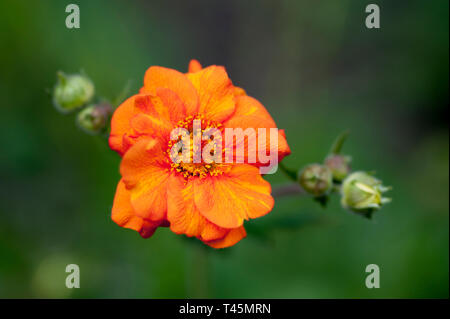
{"points": [[288, 172], [287, 190]]}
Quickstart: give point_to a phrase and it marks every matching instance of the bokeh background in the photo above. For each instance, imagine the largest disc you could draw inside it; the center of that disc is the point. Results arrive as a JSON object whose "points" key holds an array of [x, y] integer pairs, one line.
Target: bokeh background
{"points": [[318, 70]]}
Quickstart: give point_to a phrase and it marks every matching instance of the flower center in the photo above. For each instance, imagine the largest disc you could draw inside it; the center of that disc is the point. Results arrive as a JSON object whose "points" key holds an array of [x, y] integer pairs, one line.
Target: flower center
{"points": [[193, 164]]}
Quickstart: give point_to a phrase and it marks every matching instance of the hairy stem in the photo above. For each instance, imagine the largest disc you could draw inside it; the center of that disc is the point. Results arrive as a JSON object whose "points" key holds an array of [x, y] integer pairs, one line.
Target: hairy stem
{"points": [[287, 190]]}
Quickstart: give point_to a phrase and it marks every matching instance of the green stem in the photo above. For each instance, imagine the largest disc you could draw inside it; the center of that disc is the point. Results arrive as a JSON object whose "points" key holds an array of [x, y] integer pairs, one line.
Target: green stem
{"points": [[198, 281], [290, 189], [288, 172]]}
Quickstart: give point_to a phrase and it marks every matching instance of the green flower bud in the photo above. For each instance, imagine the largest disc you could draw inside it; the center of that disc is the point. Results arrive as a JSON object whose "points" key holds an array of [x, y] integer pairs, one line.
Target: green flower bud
{"points": [[339, 166], [94, 118], [316, 179], [362, 193], [72, 92]]}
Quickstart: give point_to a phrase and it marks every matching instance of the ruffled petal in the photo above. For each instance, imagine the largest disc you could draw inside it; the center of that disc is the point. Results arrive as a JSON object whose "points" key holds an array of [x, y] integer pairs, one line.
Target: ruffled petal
{"points": [[159, 77], [184, 217], [120, 124], [165, 105], [145, 172], [175, 106], [124, 216], [232, 238], [250, 113], [229, 199], [150, 126], [215, 93], [247, 105], [283, 147], [145, 114]]}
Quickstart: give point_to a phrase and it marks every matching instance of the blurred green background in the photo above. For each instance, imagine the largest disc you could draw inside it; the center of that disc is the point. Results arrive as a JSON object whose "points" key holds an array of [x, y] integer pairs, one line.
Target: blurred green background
{"points": [[317, 69]]}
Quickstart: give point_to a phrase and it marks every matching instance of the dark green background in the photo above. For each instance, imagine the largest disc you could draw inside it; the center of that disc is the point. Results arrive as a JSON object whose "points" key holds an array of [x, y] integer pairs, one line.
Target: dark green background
{"points": [[317, 69]]}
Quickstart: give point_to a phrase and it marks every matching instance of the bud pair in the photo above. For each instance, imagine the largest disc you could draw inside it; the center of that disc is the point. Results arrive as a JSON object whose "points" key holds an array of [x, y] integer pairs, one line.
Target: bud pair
{"points": [[72, 92], [362, 193]]}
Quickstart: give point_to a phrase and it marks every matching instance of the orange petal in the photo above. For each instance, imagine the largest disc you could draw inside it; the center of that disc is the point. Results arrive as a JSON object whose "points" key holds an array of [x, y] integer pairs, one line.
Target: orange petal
{"points": [[151, 105], [144, 124], [228, 199], [250, 113], [124, 216], [164, 108], [215, 92], [165, 104], [120, 124], [184, 217], [159, 77], [129, 139], [194, 66], [283, 147], [247, 105], [232, 238], [153, 116], [175, 106], [239, 91], [145, 173]]}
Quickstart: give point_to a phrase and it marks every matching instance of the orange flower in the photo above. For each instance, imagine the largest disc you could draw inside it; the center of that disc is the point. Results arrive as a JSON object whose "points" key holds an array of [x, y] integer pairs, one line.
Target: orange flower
{"points": [[207, 201]]}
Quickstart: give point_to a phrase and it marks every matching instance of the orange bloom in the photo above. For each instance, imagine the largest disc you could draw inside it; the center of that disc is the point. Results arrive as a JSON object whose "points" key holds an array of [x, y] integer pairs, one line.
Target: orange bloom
{"points": [[207, 201]]}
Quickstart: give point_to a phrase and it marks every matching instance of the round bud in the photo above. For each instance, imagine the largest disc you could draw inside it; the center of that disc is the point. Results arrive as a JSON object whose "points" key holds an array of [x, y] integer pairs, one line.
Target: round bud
{"points": [[362, 193], [72, 92], [316, 179], [94, 118], [339, 166]]}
